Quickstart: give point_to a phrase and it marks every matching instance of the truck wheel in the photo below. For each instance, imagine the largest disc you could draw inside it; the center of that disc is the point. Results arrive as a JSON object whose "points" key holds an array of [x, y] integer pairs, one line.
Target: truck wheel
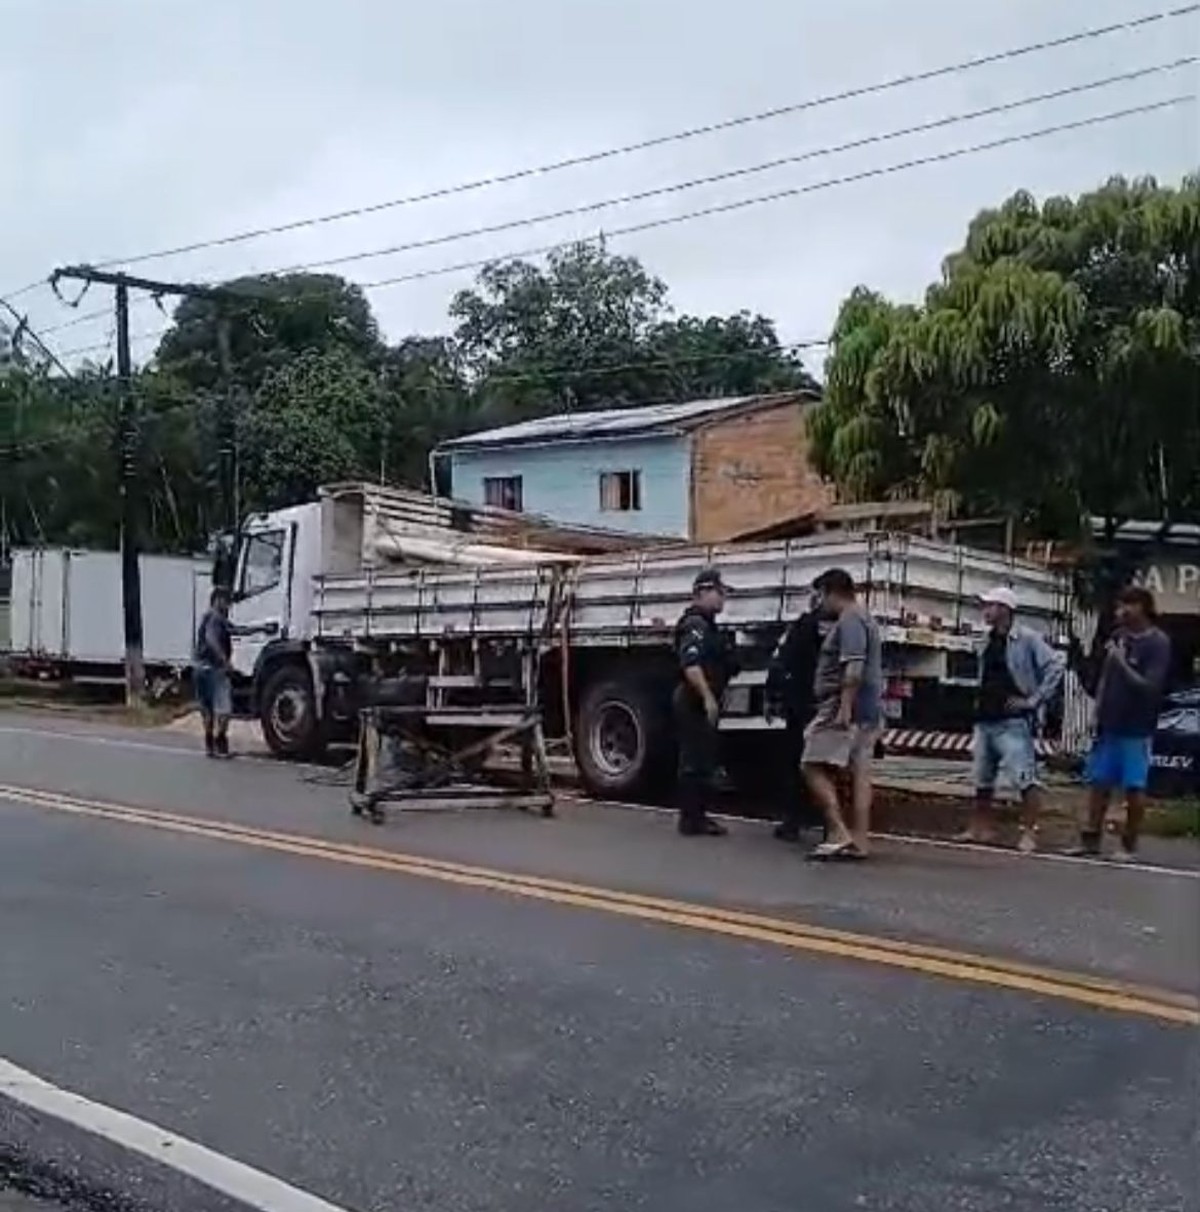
{"points": [[288, 714], [624, 742]]}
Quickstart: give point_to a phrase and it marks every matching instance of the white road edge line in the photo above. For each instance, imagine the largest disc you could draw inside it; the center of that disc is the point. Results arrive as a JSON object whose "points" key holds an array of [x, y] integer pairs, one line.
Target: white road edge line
{"points": [[233, 1178], [177, 751], [112, 742]]}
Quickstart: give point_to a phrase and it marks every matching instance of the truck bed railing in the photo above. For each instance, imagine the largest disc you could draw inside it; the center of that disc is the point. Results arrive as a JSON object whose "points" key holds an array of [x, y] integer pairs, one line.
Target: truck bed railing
{"points": [[912, 584]]}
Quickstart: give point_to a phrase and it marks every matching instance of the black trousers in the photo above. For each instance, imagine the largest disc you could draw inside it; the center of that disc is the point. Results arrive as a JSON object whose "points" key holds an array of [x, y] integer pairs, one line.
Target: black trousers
{"points": [[699, 751], [799, 811]]}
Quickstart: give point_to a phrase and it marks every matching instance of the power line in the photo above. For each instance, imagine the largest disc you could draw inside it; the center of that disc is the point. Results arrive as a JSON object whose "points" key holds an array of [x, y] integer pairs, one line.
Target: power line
{"points": [[735, 173], [796, 191], [24, 329], [935, 124], [658, 140], [98, 314], [694, 183], [739, 204], [100, 346]]}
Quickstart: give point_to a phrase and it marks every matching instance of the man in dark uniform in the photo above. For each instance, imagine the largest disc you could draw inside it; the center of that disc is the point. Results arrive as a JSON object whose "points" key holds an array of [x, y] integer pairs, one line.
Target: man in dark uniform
{"points": [[707, 662], [789, 693]]}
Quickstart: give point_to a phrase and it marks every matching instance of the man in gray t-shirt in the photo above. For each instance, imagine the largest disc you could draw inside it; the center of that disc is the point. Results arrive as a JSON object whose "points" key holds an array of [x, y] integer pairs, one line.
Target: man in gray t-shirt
{"points": [[853, 639], [848, 688]]}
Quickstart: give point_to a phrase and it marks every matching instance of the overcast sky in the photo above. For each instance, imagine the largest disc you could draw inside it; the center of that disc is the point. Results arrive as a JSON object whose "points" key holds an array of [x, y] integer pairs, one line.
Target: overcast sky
{"points": [[132, 125]]}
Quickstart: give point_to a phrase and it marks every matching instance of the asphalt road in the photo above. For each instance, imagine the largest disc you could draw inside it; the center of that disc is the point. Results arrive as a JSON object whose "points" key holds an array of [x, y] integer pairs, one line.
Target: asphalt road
{"points": [[385, 1029]]}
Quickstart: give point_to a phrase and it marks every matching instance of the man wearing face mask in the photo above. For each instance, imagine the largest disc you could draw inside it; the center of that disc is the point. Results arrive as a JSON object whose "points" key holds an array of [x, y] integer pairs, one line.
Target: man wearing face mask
{"points": [[789, 694]]}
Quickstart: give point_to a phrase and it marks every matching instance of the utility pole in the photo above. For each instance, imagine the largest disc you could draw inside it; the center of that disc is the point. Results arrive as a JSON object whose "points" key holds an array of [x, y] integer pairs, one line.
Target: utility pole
{"points": [[129, 430], [226, 428], [131, 550]]}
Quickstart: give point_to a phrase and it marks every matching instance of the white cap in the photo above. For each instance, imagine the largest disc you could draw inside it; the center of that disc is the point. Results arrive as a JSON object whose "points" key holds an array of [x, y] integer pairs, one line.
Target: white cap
{"points": [[1000, 596]]}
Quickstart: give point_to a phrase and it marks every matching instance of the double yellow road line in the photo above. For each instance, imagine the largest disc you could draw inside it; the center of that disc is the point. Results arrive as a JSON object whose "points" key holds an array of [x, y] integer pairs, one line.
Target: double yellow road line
{"points": [[1081, 989]]}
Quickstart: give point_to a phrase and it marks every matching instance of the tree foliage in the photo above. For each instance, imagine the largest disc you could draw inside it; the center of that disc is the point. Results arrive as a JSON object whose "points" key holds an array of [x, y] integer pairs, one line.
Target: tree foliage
{"points": [[592, 330], [281, 317], [319, 395], [1053, 372]]}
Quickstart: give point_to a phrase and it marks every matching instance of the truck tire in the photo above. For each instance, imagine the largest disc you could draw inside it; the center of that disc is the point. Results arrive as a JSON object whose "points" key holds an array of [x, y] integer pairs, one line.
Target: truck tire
{"points": [[287, 711], [624, 740]]}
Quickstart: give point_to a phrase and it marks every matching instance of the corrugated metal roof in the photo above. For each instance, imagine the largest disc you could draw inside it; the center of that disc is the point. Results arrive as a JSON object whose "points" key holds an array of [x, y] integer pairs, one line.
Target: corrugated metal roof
{"points": [[1155, 530], [613, 422]]}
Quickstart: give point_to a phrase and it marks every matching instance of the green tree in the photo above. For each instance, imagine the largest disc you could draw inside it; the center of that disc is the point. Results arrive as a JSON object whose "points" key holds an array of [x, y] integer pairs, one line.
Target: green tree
{"points": [[1050, 374], [593, 330], [425, 401], [282, 317], [693, 358], [320, 417], [319, 396], [56, 485]]}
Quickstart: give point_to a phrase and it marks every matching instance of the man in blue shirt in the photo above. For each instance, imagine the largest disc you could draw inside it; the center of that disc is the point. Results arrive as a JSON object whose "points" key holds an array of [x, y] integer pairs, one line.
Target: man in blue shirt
{"points": [[211, 673], [1133, 678]]}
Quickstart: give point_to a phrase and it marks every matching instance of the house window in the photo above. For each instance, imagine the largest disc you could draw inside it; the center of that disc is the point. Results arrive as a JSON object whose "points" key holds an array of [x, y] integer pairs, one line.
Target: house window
{"points": [[620, 491], [503, 492]]}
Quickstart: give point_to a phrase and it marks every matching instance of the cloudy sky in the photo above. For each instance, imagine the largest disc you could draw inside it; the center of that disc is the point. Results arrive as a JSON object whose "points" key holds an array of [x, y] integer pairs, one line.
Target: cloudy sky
{"points": [[136, 125]]}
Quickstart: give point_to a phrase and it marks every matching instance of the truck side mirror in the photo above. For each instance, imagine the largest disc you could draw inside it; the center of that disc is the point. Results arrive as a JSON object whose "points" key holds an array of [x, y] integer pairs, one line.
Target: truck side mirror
{"points": [[225, 566]]}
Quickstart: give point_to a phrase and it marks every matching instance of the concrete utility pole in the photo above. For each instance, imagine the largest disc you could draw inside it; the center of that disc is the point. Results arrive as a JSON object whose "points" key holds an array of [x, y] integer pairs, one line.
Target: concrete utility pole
{"points": [[128, 431], [129, 485]]}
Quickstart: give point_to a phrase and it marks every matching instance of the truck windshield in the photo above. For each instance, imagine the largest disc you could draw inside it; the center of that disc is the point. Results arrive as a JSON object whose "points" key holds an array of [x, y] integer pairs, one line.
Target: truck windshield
{"points": [[262, 562]]}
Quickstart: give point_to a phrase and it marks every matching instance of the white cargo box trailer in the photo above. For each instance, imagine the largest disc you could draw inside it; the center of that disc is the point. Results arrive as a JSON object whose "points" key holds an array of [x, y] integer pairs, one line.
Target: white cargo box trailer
{"points": [[66, 614]]}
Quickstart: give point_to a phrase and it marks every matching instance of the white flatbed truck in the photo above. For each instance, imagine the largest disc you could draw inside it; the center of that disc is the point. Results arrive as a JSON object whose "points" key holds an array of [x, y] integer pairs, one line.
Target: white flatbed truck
{"points": [[368, 579]]}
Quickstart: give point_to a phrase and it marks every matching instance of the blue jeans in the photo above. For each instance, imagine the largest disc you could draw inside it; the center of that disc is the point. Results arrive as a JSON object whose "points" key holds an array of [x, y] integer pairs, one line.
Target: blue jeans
{"points": [[214, 692], [1006, 744]]}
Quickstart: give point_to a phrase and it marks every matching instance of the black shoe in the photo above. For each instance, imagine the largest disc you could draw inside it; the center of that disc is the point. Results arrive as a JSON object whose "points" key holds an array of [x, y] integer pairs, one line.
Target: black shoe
{"points": [[704, 827], [787, 832], [1090, 846], [221, 747], [210, 747]]}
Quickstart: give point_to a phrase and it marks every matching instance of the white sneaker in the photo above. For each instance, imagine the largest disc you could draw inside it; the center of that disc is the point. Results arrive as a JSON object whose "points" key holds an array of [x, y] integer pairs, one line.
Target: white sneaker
{"points": [[1122, 854], [1027, 842]]}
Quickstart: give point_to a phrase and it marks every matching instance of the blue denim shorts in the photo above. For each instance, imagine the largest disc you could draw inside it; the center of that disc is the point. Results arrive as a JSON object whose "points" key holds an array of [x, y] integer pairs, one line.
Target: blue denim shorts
{"points": [[1004, 745], [214, 692], [1119, 763]]}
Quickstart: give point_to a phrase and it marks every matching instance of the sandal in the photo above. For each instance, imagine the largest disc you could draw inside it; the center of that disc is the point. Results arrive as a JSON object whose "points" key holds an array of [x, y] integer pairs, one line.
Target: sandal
{"points": [[967, 838], [836, 852]]}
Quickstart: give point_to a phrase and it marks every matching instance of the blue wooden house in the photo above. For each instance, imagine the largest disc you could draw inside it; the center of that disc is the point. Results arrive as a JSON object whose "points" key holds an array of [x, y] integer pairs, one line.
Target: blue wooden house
{"points": [[705, 469]]}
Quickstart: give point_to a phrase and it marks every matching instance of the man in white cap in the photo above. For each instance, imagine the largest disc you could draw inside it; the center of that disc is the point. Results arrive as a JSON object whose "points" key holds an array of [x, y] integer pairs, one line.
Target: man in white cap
{"points": [[1019, 676]]}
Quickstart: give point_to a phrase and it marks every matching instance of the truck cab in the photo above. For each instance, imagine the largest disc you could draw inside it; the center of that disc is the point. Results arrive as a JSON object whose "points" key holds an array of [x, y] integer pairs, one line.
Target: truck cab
{"points": [[298, 683], [276, 557]]}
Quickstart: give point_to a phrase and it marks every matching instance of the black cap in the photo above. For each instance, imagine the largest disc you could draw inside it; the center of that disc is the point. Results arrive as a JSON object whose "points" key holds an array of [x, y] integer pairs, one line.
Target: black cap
{"points": [[709, 578]]}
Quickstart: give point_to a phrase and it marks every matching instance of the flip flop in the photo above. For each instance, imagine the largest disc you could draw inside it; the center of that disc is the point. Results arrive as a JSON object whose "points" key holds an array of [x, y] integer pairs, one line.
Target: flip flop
{"points": [[969, 839], [836, 852]]}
